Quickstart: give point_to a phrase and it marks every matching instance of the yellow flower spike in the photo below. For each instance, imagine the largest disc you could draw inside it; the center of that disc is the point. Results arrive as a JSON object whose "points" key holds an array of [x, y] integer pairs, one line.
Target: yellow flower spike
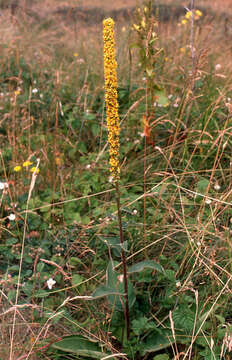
{"points": [[111, 96], [184, 22], [17, 168]]}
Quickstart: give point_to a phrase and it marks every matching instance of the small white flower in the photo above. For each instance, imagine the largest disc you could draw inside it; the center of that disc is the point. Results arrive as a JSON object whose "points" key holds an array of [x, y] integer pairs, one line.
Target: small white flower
{"points": [[134, 212], [217, 187], [218, 67], [155, 104], [11, 217], [170, 96], [136, 142], [198, 243], [120, 278], [50, 283], [110, 179], [208, 201], [88, 166], [178, 284], [87, 111], [34, 91], [41, 96], [144, 78], [3, 185], [175, 105]]}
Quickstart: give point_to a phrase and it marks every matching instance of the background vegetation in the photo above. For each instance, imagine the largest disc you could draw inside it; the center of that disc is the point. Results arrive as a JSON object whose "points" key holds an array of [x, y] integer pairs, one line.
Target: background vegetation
{"points": [[61, 275]]}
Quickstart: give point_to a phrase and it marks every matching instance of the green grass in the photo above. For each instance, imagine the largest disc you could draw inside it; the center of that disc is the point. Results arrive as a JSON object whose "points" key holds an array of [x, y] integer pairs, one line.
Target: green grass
{"points": [[175, 193]]}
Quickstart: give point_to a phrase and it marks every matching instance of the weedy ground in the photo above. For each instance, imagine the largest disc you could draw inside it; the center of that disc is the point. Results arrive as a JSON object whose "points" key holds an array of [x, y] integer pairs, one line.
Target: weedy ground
{"points": [[58, 226]]}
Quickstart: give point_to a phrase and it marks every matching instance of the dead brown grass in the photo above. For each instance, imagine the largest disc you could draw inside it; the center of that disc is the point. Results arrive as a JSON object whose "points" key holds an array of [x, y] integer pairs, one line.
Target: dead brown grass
{"points": [[49, 5]]}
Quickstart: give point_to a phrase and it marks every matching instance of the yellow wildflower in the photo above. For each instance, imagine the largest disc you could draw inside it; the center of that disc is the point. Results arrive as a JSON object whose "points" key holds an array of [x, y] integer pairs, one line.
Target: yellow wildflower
{"points": [[184, 22], [111, 96], [199, 13], [17, 168], [17, 92], [75, 54], [27, 163], [182, 50], [33, 169], [189, 14]]}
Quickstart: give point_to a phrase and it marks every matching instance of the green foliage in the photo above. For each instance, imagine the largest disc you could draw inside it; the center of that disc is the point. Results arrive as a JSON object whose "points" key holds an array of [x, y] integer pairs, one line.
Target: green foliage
{"points": [[80, 346]]}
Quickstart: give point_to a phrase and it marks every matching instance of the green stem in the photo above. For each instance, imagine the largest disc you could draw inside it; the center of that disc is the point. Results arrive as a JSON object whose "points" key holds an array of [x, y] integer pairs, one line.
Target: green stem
{"points": [[123, 257]]}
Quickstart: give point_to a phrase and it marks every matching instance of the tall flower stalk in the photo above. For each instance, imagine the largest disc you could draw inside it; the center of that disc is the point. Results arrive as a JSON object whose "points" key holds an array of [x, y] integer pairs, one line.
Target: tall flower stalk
{"points": [[111, 100]]}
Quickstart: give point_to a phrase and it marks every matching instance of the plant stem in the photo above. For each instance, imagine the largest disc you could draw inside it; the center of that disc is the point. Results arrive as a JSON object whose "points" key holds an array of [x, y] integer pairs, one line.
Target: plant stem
{"points": [[123, 257]]}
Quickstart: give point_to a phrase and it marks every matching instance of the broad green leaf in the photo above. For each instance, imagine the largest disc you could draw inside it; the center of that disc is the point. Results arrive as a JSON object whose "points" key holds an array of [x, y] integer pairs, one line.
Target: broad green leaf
{"points": [[202, 185], [147, 264], [141, 325], [77, 279], [111, 275], [161, 357], [104, 291], [80, 346], [114, 289], [161, 98], [155, 342], [115, 244]]}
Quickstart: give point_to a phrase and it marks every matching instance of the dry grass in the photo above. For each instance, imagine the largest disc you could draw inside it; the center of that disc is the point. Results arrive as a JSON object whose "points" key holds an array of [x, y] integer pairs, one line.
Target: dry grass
{"points": [[46, 6]]}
